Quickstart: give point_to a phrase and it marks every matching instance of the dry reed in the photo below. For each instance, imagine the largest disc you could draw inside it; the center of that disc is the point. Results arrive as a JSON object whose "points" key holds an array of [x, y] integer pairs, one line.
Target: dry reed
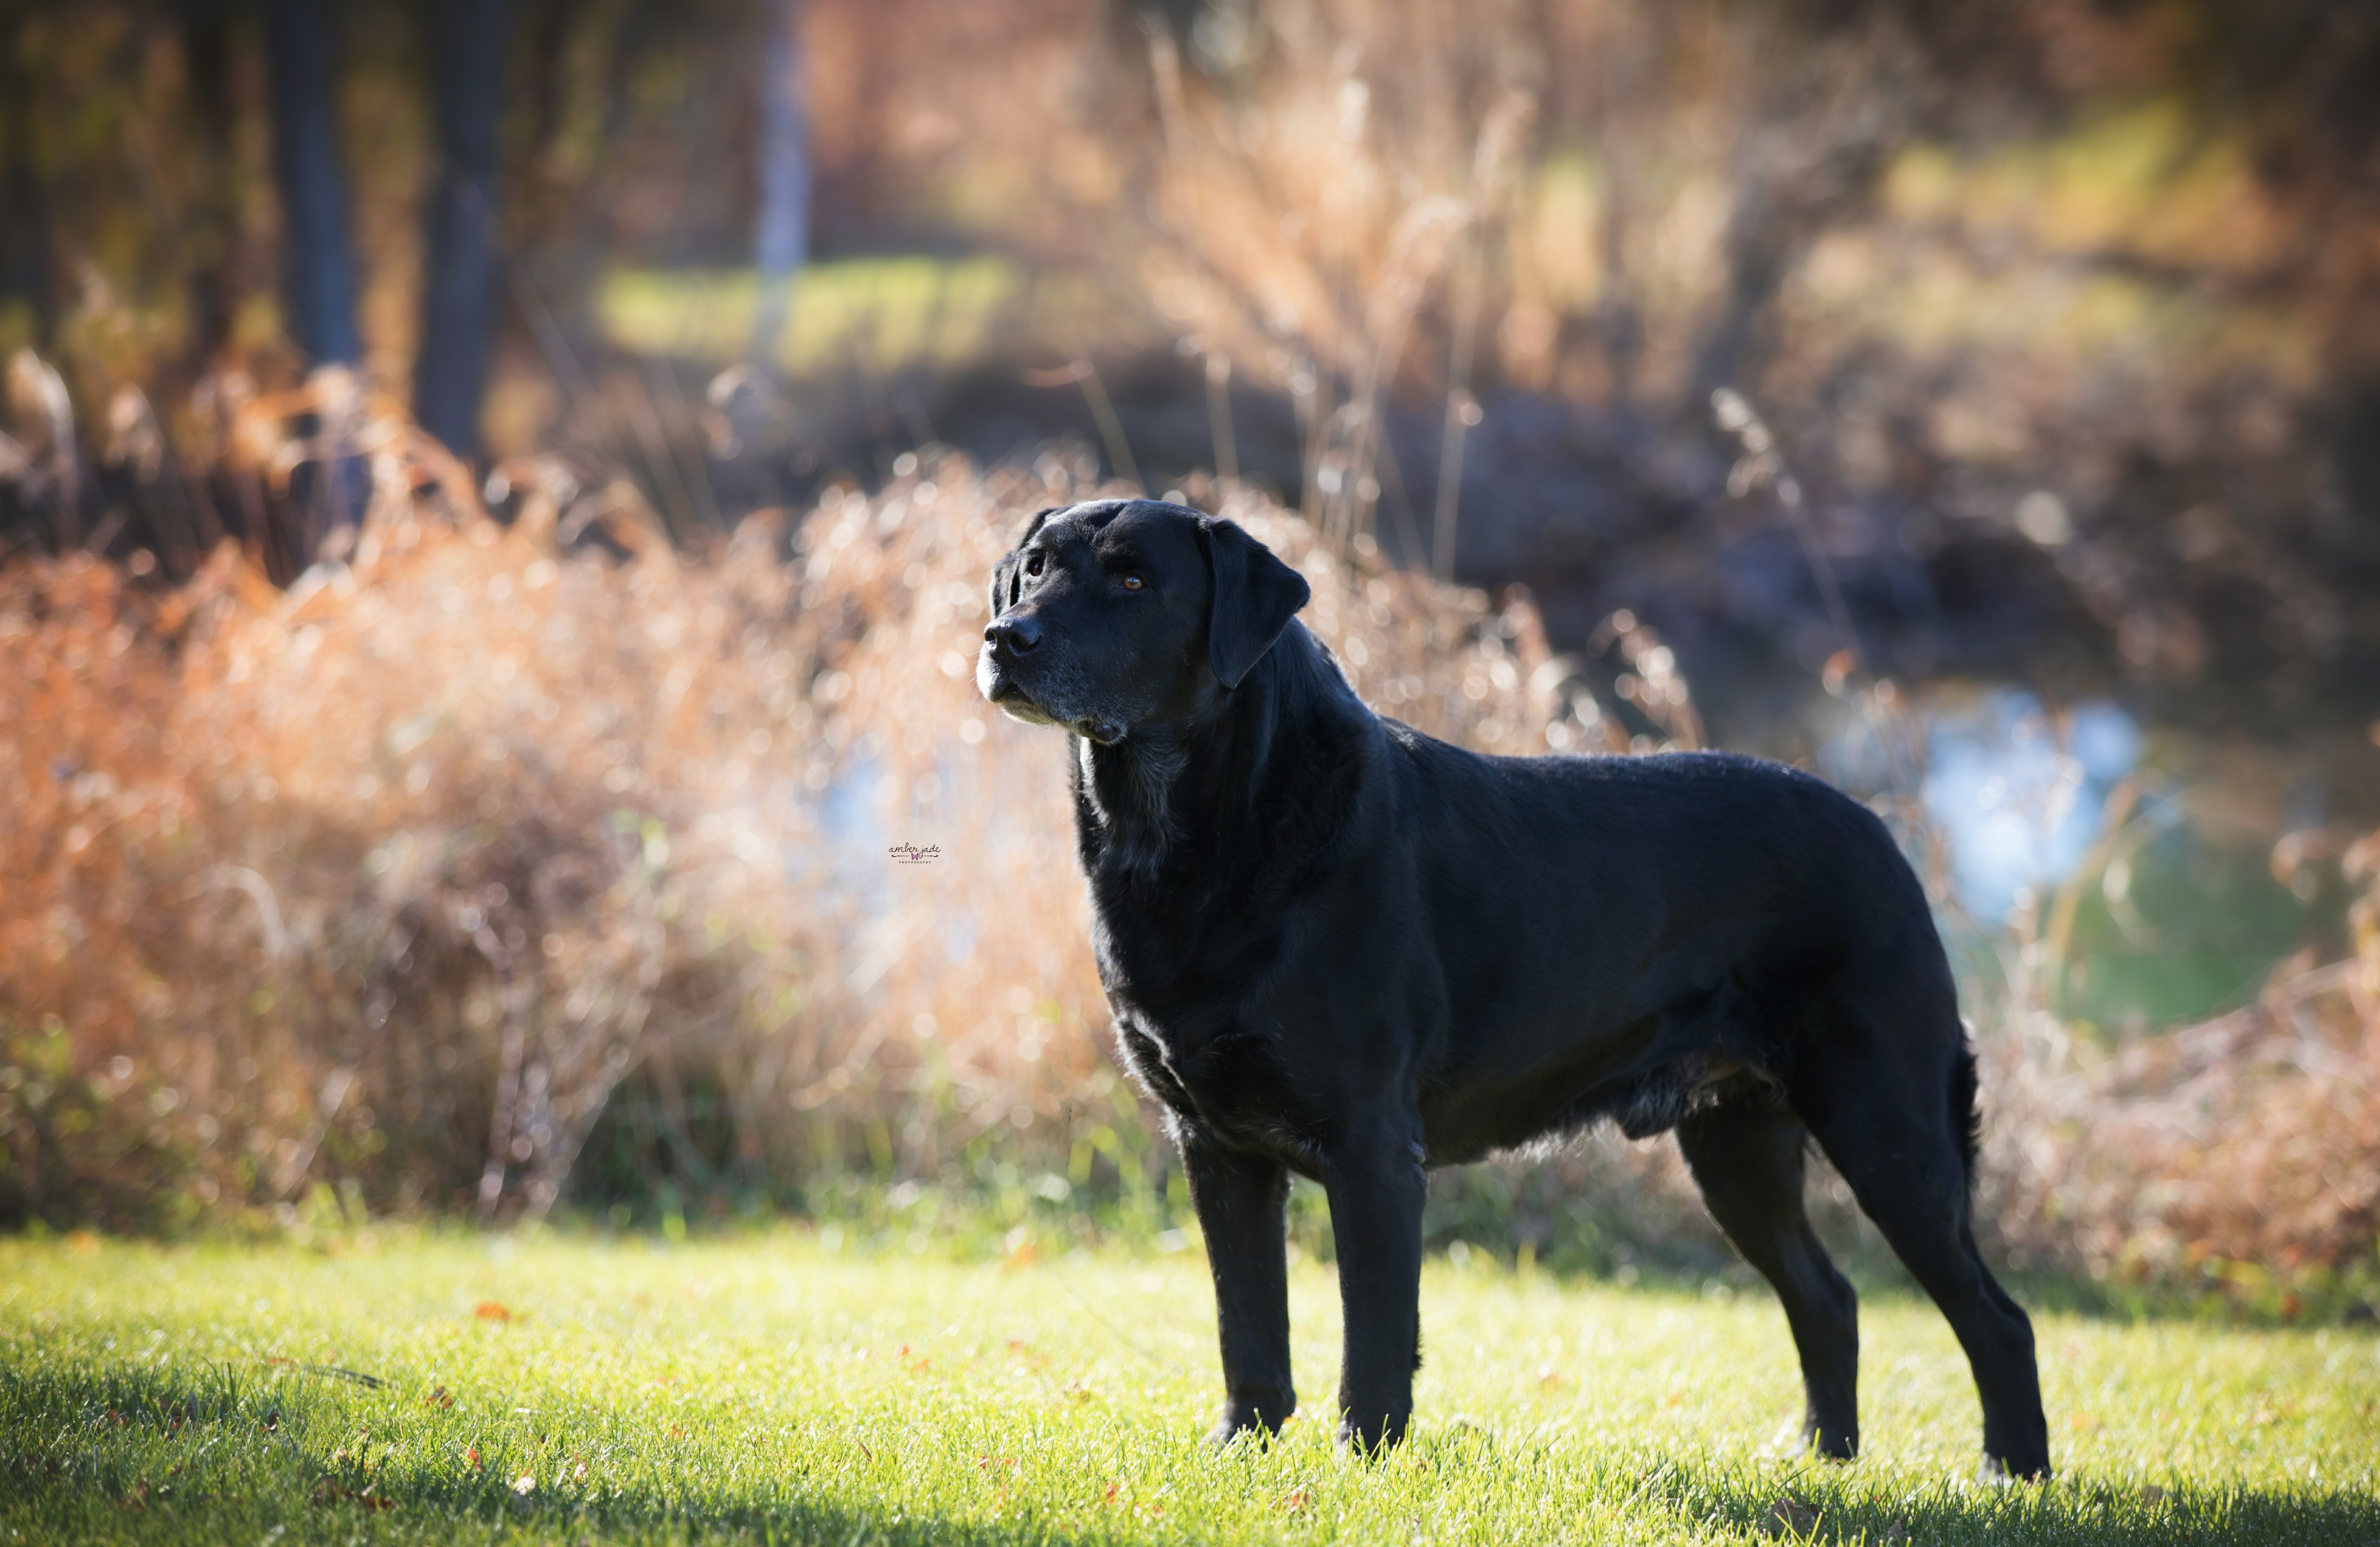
{"points": [[382, 889], [2244, 1152], [390, 880]]}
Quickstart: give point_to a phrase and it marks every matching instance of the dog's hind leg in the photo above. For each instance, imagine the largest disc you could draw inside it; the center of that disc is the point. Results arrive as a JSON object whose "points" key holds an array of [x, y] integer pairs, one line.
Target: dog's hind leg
{"points": [[1746, 1155], [1893, 1113]]}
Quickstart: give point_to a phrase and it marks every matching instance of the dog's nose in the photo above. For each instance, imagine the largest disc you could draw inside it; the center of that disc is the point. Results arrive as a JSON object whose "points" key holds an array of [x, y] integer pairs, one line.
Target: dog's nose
{"points": [[1014, 635]]}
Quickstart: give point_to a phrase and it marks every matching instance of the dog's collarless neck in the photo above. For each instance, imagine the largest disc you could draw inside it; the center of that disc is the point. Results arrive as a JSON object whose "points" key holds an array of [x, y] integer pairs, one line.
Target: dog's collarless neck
{"points": [[1157, 796], [1124, 797]]}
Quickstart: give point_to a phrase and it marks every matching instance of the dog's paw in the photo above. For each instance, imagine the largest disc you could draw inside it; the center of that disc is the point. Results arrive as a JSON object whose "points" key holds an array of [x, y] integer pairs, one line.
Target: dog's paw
{"points": [[1370, 1441], [1258, 1419], [1829, 1444], [2001, 1472], [1225, 1434]]}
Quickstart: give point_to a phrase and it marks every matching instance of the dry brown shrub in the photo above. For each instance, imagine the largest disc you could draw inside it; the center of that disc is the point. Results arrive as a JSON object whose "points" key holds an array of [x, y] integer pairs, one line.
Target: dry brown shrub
{"points": [[390, 879], [2245, 1150]]}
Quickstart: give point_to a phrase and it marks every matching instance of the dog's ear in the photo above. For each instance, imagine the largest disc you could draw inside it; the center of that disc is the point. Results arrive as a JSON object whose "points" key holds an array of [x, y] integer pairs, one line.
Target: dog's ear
{"points": [[1005, 589], [1256, 595]]}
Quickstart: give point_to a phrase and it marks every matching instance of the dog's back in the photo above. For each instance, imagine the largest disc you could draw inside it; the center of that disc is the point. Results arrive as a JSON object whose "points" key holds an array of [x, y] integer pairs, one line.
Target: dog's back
{"points": [[1683, 915]]}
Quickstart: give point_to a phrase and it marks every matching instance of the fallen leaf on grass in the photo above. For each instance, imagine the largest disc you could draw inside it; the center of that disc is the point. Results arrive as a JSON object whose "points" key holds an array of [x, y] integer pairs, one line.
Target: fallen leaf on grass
{"points": [[442, 1399], [1294, 1500], [1792, 1516], [327, 1492], [492, 1310], [525, 1484]]}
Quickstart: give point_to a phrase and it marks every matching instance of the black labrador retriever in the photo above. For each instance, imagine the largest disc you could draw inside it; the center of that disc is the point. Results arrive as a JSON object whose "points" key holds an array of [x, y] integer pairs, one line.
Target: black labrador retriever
{"points": [[1337, 946]]}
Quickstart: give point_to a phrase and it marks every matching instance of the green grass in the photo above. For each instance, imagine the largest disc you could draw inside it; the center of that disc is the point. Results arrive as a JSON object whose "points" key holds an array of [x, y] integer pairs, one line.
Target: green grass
{"points": [[771, 1388], [883, 315], [894, 311]]}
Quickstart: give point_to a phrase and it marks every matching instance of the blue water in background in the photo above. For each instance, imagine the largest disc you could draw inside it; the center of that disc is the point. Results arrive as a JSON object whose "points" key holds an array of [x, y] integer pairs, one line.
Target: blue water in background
{"points": [[2019, 798], [2019, 809]]}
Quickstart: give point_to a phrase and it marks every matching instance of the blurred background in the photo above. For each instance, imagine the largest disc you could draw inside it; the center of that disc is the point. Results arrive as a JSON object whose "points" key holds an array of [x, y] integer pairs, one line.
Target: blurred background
{"points": [[494, 501]]}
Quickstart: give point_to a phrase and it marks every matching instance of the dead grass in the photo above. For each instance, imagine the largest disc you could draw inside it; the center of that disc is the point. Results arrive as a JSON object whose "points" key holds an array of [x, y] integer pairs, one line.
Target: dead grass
{"points": [[380, 889], [2241, 1154], [390, 880]]}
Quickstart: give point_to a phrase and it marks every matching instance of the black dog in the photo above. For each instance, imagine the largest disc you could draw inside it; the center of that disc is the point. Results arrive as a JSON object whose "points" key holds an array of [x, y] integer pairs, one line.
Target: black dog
{"points": [[1337, 946]]}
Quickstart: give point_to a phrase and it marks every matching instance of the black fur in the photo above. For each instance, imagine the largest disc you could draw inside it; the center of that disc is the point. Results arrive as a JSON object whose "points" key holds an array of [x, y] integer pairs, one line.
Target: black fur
{"points": [[1338, 947]]}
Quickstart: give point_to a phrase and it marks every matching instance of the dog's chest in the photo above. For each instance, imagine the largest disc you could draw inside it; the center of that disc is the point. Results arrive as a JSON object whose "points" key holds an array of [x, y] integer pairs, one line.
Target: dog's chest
{"points": [[1227, 1081]]}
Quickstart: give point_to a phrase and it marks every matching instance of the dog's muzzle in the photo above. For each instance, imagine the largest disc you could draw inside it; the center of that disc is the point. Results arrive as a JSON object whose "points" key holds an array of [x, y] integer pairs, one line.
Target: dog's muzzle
{"points": [[1007, 642]]}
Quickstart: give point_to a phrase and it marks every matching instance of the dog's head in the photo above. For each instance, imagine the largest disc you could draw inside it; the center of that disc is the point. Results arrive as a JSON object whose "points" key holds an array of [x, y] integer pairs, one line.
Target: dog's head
{"points": [[1114, 613]]}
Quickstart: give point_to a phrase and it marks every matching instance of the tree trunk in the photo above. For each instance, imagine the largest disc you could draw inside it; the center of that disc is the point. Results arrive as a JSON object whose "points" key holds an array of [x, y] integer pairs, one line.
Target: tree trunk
{"points": [[782, 239], [468, 47], [320, 263], [24, 194]]}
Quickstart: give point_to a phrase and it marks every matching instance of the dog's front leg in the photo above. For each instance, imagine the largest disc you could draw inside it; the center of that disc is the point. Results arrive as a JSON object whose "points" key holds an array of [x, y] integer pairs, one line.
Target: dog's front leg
{"points": [[1241, 1201], [1377, 1187]]}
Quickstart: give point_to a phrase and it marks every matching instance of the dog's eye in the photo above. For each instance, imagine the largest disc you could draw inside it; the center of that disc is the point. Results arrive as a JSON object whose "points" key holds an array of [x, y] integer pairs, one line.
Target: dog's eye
{"points": [[1132, 583], [1033, 563]]}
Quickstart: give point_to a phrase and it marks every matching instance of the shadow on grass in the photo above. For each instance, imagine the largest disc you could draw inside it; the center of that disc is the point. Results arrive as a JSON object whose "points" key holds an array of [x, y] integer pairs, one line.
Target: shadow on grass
{"points": [[125, 1454], [1830, 1503]]}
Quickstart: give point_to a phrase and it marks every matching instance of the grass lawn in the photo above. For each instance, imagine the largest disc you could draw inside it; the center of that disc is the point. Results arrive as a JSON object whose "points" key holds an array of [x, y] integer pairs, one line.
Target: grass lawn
{"points": [[454, 1389]]}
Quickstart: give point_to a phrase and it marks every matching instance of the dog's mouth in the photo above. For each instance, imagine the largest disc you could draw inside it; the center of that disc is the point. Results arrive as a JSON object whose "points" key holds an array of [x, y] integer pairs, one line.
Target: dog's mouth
{"points": [[1014, 701], [1017, 706], [1000, 687]]}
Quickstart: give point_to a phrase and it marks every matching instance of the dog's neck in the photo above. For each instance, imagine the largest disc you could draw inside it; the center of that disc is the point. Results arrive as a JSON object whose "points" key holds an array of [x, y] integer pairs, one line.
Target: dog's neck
{"points": [[1139, 800], [1124, 794]]}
